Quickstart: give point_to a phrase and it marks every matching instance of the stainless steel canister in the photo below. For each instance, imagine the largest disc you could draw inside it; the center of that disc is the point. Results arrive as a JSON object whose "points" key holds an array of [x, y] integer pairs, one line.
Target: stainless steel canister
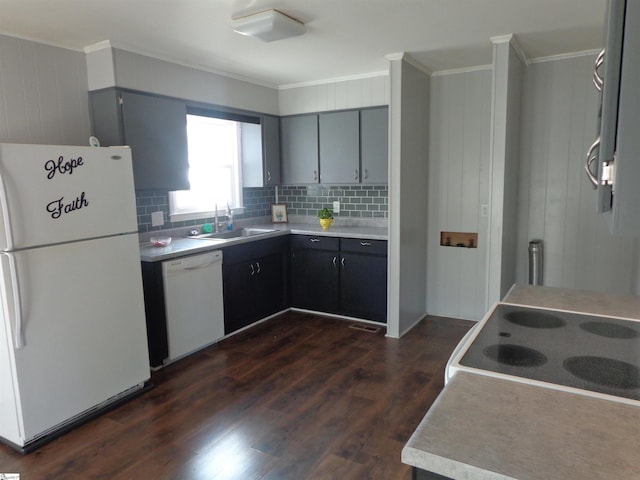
{"points": [[535, 262]]}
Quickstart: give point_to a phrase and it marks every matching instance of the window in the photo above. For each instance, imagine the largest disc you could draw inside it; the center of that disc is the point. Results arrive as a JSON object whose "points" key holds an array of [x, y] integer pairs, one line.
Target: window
{"points": [[215, 173]]}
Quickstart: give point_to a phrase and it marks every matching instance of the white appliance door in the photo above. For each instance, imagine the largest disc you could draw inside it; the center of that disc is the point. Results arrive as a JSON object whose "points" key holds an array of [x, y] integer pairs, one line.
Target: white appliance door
{"points": [[54, 194], [84, 329], [193, 302]]}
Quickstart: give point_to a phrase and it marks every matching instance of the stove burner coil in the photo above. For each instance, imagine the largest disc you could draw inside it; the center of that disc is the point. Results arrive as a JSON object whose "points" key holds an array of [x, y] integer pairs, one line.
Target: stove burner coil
{"points": [[515, 355], [534, 319], [609, 330], [604, 371]]}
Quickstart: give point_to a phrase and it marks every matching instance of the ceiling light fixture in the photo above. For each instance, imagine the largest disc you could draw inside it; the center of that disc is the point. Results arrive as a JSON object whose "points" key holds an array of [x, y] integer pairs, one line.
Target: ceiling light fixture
{"points": [[268, 26]]}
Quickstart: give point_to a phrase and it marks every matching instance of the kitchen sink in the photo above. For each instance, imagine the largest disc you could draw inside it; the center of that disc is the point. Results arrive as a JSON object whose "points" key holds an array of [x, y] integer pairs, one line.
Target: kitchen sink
{"points": [[239, 233]]}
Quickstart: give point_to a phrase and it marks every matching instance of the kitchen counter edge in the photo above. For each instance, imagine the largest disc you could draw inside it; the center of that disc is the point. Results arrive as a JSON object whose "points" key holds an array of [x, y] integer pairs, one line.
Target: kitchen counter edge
{"points": [[189, 246]]}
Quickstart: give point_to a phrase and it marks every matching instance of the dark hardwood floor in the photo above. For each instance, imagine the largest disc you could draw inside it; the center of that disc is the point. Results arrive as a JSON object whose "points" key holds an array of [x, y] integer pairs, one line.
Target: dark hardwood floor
{"points": [[297, 397]]}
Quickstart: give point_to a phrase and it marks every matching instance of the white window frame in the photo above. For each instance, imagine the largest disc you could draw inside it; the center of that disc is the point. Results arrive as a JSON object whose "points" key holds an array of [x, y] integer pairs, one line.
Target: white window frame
{"points": [[185, 205]]}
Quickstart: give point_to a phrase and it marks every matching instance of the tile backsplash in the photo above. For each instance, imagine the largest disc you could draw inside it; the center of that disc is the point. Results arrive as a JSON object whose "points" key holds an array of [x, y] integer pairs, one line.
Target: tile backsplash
{"points": [[356, 201], [360, 201]]}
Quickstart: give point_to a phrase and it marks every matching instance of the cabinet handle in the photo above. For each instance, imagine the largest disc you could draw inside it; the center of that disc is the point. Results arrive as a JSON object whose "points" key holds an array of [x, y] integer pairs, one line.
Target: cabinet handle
{"points": [[355, 174], [335, 259], [366, 173], [598, 81], [315, 175], [258, 265], [252, 270], [314, 240], [592, 157], [268, 175], [342, 262], [365, 244]]}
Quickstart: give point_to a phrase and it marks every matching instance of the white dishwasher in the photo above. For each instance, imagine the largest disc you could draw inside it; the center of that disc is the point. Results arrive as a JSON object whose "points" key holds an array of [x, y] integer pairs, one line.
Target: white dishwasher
{"points": [[193, 302]]}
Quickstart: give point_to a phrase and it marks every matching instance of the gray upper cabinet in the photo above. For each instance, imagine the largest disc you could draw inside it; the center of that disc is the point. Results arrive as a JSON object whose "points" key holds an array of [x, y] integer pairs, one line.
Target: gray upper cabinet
{"points": [[339, 147], [271, 150], [261, 152], [251, 153], [299, 149], [616, 150], [154, 127], [374, 145]]}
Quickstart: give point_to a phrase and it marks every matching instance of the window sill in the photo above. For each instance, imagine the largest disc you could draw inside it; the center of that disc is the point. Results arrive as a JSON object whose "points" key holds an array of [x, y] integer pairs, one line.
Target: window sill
{"points": [[185, 217]]}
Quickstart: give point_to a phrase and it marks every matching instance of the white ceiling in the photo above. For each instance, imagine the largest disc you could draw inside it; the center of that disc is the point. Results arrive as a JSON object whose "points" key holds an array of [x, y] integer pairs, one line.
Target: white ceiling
{"points": [[344, 37]]}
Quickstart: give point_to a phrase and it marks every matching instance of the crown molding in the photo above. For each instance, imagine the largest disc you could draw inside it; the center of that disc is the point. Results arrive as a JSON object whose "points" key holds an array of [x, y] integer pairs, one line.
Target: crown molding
{"points": [[565, 56], [453, 71], [410, 59], [327, 81]]}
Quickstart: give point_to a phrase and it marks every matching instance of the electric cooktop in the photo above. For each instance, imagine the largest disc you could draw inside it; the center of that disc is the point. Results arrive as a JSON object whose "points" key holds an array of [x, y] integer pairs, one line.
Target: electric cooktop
{"points": [[593, 354]]}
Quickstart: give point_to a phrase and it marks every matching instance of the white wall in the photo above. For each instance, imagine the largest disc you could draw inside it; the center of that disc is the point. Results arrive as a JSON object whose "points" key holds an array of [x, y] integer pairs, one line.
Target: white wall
{"points": [[367, 91], [43, 94], [458, 186], [504, 165], [556, 201], [408, 194]]}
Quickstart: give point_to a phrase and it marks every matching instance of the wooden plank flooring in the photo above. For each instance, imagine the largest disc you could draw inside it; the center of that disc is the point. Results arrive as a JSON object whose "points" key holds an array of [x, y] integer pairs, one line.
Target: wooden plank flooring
{"points": [[297, 397]]}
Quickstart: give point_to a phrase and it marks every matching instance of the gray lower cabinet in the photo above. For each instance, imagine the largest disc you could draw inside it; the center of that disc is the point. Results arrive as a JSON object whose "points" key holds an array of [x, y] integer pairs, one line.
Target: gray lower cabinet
{"points": [[261, 152], [299, 149], [155, 313], [254, 278], [419, 474], [154, 127], [342, 276], [339, 147], [363, 278], [374, 145]]}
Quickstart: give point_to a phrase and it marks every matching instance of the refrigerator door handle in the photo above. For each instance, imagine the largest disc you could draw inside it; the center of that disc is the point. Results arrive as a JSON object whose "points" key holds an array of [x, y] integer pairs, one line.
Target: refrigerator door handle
{"points": [[18, 337], [5, 214]]}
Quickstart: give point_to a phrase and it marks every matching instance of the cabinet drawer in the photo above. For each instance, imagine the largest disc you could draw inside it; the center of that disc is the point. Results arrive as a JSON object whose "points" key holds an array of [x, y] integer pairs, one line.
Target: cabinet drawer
{"points": [[255, 249], [360, 245], [315, 242]]}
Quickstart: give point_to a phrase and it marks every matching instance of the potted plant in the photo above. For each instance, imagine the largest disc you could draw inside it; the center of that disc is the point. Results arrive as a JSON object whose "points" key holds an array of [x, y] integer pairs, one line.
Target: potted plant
{"points": [[326, 217]]}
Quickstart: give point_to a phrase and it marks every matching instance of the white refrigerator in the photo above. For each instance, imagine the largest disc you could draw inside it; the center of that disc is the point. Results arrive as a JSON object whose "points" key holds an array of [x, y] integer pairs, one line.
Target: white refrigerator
{"points": [[73, 333]]}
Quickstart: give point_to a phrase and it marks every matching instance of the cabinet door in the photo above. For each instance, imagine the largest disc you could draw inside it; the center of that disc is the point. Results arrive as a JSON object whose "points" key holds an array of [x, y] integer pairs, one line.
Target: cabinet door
{"points": [[363, 286], [299, 149], [267, 292], [626, 196], [238, 304], [261, 152], [271, 150], [251, 154], [106, 117], [339, 147], [153, 287], [314, 280], [156, 130], [374, 144], [254, 280]]}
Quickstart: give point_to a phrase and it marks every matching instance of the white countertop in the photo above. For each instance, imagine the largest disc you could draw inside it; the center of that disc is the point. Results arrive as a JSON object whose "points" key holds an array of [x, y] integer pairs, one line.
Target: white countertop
{"points": [[625, 306], [482, 427], [189, 246]]}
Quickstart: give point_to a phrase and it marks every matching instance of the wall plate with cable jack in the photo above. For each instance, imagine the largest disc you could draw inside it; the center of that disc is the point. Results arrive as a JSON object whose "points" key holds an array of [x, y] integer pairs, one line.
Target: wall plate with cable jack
{"points": [[157, 219]]}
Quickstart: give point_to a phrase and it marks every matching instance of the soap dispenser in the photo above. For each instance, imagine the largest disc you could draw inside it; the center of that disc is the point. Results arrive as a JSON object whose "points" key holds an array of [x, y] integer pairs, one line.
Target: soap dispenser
{"points": [[229, 218]]}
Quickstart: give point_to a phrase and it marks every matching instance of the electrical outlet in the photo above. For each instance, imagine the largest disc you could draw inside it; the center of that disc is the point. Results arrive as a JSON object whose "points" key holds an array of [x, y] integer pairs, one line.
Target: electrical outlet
{"points": [[484, 210], [336, 207], [157, 219]]}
